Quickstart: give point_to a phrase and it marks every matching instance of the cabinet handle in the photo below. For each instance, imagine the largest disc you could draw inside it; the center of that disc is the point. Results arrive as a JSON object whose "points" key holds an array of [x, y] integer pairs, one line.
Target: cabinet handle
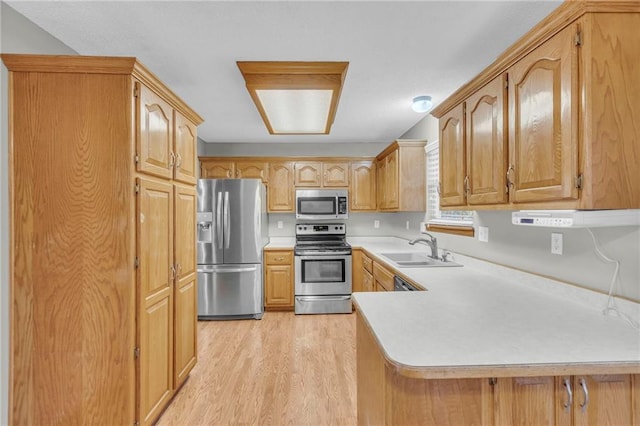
{"points": [[279, 259], [178, 161], [567, 385], [583, 384], [229, 174], [179, 270], [466, 185], [172, 270], [172, 160], [509, 183]]}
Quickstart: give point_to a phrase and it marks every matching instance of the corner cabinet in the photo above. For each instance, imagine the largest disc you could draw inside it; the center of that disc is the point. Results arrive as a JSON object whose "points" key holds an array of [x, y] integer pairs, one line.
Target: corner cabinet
{"points": [[104, 322], [402, 176], [362, 191], [551, 124]]}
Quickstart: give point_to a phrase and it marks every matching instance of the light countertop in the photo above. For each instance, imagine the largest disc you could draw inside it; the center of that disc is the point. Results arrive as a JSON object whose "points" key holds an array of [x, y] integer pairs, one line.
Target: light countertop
{"points": [[484, 320]]}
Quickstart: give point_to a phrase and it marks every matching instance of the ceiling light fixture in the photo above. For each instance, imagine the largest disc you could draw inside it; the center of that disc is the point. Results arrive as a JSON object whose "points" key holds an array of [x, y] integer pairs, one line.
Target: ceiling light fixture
{"points": [[422, 103], [295, 98]]}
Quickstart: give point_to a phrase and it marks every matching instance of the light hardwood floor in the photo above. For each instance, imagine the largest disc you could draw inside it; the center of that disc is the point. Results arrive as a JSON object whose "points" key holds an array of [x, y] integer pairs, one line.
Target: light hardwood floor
{"points": [[281, 370]]}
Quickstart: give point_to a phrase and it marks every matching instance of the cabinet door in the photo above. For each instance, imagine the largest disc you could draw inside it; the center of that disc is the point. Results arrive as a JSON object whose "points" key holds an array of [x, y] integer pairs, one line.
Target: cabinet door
{"points": [[308, 173], [392, 180], [335, 174], [155, 299], [252, 170], [367, 281], [382, 184], [185, 313], [217, 169], [543, 133], [185, 149], [529, 401], [154, 136], [362, 191], [280, 195], [452, 158], [487, 144], [356, 270], [279, 286], [610, 400]]}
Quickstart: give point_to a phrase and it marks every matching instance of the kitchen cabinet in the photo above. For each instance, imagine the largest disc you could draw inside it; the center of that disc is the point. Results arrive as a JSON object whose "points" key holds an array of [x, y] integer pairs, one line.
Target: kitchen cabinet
{"points": [[382, 277], [325, 174], [110, 301], [593, 400], [452, 158], [402, 176], [280, 189], [570, 127], [231, 168], [356, 268], [362, 191], [278, 280], [368, 283]]}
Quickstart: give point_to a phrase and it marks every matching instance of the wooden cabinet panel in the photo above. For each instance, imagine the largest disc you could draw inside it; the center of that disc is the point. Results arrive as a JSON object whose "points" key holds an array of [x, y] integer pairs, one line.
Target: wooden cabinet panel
{"points": [[252, 170], [362, 190], [154, 134], [278, 280], [185, 318], [383, 277], [308, 173], [356, 269], [526, 401], [217, 169], [402, 176], [486, 144], [367, 263], [610, 400], [391, 181], [452, 158], [280, 191], [367, 281], [543, 137], [381, 166], [155, 275], [335, 174], [185, 149]]}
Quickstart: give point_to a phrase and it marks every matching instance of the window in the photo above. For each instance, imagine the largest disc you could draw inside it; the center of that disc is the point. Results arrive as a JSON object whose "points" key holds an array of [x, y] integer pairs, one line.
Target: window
{"points": [[450, 221]]}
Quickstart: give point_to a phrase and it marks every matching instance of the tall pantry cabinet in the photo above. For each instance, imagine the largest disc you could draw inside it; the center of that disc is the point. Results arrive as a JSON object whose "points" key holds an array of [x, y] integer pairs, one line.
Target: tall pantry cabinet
{"points": [[103, 280]]}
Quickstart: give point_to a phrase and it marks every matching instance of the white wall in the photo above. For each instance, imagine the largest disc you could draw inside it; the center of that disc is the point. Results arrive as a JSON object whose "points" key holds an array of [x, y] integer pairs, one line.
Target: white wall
{"points": [[17, 35]]}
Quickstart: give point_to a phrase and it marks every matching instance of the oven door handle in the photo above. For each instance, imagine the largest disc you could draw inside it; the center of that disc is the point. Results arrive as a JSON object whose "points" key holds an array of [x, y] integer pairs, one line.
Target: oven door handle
{"points": [[328, 254], [324, 298]]}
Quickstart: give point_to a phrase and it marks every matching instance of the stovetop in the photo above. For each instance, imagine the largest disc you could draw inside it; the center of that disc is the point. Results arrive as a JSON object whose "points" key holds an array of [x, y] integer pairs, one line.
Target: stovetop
{"points": [[321, 238]]}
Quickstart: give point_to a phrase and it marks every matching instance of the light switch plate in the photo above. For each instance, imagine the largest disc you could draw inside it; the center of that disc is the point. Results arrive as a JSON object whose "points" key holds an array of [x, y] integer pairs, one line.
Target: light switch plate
{"points": [[483, 234], [376, 224], [280, 224]]}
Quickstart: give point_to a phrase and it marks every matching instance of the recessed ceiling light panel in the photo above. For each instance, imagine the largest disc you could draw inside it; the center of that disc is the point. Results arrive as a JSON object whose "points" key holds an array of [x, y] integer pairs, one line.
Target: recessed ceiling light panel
{"points": [[295, 97]]}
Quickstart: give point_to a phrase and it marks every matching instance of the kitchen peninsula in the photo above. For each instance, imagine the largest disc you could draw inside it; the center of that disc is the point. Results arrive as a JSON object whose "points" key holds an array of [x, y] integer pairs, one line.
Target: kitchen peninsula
{"points": [[490, 345]]}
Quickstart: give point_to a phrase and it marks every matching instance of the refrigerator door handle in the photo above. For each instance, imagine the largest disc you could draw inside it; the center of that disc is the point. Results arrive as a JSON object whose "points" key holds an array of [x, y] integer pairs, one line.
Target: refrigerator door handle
{"points": [[227, 221], [219, 220]]}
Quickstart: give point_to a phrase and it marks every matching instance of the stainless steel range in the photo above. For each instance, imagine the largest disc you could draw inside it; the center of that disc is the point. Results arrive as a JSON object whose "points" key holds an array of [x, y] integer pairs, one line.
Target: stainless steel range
{"points": [[322, 269]]}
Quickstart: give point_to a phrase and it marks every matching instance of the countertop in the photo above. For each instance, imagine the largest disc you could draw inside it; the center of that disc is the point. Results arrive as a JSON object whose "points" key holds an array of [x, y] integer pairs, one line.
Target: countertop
{"points": [[484, 320]]}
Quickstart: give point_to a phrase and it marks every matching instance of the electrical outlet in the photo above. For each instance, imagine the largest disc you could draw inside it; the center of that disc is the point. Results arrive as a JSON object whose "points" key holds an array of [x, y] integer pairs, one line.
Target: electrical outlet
{"points": [[280, 224], [483, 234], [376, 224], [556, 243], [408, 225]]}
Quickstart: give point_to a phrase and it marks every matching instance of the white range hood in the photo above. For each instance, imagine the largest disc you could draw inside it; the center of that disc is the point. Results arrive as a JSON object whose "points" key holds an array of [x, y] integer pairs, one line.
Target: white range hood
{"points": [[576, 218]]}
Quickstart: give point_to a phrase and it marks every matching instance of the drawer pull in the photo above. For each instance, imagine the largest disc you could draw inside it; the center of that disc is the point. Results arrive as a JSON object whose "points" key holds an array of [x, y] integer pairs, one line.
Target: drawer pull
{"points": [[279, 259], [567, 385], [583, 384]]}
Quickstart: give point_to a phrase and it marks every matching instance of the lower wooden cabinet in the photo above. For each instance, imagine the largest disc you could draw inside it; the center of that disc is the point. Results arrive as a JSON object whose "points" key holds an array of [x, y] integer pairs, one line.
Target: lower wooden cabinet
{"points": [[388, 397], [278, 280], [382, 277]]}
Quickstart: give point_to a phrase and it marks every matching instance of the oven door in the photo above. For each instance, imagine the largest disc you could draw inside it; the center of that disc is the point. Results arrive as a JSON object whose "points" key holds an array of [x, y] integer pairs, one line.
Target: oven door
{"points": [[320, 275]]}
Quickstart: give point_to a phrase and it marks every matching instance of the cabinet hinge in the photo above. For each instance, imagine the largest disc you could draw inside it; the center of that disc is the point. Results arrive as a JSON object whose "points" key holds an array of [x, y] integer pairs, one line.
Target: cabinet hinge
{"points": [[578, 38], [137, 188], [579, 181], [493, 381], [136, 90], [136, 262], [136, 352]]}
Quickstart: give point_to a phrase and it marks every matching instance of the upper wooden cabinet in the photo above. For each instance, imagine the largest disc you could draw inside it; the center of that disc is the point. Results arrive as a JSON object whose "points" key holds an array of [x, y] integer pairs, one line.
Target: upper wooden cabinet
{"points": [[402, 177], [280, 191], [570, 126], [321, 174], [111, 300], [362, 191], [229, 168]]}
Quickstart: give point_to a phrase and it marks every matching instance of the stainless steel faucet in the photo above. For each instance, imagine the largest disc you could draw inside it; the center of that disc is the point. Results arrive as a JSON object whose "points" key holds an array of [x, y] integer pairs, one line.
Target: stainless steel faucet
{"points": [[432, 243]]}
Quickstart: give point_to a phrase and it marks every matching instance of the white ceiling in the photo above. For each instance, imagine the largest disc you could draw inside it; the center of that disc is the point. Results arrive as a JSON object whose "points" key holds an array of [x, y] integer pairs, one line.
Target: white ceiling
{"points": [[396, 50]]}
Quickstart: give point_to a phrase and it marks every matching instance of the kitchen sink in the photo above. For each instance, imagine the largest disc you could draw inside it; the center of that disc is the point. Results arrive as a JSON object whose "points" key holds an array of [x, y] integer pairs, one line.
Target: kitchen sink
{"points": [[415, 260]]}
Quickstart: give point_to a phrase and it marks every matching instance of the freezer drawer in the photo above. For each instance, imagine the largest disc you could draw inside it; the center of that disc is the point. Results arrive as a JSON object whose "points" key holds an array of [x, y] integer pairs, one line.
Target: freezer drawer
{"points": [[230, 291], [323, 304]]}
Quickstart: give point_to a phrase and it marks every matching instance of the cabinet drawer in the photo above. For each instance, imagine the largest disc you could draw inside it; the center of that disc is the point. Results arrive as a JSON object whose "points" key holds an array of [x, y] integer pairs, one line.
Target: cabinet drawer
{"points": [[383, 276], [367, 263], [278, 257]]}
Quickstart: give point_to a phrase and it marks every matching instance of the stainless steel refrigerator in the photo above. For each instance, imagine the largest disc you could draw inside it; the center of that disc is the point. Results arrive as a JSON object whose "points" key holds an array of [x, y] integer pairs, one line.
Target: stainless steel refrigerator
{"points": [[232, 232]]}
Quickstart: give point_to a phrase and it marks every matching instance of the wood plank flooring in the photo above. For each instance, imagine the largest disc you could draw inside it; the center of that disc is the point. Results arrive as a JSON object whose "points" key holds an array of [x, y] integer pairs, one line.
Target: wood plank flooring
{"points": [[281, 370]]}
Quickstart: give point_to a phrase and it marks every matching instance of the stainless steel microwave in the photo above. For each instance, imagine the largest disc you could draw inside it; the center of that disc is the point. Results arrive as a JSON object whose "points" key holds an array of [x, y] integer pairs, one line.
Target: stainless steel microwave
{"points": [[319, 204]]}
